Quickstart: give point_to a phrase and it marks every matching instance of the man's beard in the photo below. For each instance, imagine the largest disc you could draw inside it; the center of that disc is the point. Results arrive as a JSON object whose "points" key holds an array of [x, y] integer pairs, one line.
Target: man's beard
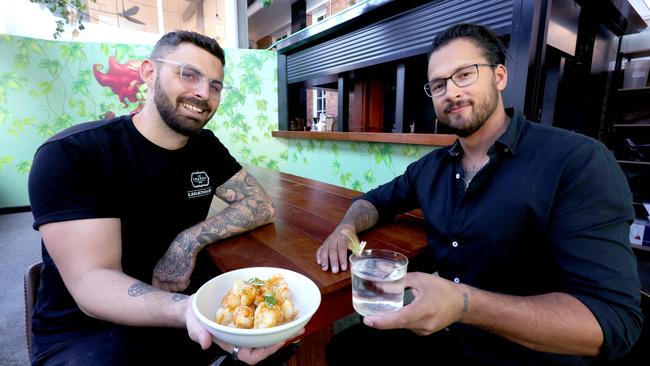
{"points": [[183, 125], [464, 127]]}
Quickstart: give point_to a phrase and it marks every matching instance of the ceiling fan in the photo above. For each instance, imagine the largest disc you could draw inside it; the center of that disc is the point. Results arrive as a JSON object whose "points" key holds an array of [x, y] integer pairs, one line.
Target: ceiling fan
{"points": [[125, 13], [195, 7], [129, 13]]}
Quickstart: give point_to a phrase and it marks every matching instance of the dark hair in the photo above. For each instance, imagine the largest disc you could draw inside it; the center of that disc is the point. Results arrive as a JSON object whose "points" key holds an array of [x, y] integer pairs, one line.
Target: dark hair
{"points": [[493, 48], [171, 40]]}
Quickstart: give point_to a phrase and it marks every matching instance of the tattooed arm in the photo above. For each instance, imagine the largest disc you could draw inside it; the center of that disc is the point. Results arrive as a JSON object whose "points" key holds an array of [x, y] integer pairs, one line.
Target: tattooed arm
{"points": [[362, 215], [249, 207], [88, 255]]}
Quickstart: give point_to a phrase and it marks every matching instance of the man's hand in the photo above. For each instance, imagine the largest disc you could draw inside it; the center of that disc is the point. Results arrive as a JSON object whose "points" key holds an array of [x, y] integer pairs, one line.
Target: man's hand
{"points": [[438, 303], [199, 334], [334, 250], [195, 329], [252, 356], [173, 271], [361, 215]]}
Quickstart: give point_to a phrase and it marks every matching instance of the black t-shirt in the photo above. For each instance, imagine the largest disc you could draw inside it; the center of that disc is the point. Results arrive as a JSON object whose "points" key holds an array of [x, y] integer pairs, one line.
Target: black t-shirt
{"points": [[107, 169]]}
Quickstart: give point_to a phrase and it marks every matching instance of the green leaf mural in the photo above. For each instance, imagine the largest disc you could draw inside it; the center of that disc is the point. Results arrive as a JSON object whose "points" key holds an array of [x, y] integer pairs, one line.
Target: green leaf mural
{"points": [[369, 176], [23, 167], [345, 178], [52, 66], [47, 86], [336, 167], [4, 160]]}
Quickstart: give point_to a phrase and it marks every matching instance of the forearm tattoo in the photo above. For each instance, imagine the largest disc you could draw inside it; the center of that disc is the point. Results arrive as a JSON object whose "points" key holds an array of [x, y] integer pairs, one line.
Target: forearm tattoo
{"points": [[249, 208], [178, 297], [465, 305], [362, 215], [141, 288]]}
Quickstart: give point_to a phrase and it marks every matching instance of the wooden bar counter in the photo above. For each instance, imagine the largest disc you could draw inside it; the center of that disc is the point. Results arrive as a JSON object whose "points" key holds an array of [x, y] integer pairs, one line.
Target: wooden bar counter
{"points": [[307, 212]]}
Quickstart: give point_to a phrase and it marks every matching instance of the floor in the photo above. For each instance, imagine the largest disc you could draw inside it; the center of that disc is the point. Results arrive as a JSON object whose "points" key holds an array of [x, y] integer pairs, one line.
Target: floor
{"points": [[19, 248]]}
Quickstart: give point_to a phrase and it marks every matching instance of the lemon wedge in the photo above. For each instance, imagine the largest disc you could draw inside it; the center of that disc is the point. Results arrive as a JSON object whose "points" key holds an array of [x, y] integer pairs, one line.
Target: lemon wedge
{"points": [[353, 242]]}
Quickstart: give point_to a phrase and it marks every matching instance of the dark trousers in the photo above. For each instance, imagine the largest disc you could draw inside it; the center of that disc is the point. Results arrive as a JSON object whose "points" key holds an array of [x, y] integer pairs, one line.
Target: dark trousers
{"points": [[119, 345], [362, 345]]}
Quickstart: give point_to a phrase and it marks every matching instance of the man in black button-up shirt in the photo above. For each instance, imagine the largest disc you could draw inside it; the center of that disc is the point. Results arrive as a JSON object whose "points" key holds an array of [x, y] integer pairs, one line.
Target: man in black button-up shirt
{"points": [[528, 227]]}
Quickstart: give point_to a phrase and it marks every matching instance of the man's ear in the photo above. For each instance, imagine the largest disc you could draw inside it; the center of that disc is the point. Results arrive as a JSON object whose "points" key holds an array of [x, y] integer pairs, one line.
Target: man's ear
{"points": [[148, 73], [501, 76]]}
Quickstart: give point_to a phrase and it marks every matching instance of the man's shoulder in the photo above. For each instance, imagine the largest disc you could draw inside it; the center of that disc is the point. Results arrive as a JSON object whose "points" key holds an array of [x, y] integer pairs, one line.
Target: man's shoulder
{"points": [[558, 139], [92, 129], [434, 156]]}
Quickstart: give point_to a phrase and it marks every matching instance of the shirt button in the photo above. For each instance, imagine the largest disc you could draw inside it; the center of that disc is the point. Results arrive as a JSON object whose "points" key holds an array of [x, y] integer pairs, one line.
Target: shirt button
{"points": [[454, 244], [457, 176], [456, 280]]}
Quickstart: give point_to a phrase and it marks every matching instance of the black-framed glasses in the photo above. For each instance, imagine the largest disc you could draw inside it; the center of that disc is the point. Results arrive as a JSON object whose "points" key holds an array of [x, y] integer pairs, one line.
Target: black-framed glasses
{"points": [[193, 78], [461, 78]]}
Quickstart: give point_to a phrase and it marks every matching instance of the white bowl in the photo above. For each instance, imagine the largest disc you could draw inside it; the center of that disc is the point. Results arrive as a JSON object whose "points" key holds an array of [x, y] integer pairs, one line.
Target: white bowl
{"points": [[304, 294]]}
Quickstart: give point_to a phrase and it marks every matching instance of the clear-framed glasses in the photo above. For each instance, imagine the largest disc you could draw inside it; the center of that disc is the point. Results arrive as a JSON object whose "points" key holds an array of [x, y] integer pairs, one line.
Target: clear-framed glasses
{"points": [[461, 78], [193, 78]]}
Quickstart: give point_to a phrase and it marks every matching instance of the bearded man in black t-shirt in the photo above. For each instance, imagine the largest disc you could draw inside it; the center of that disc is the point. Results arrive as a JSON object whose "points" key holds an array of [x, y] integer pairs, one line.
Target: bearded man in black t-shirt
{"points": [[110, 196]]}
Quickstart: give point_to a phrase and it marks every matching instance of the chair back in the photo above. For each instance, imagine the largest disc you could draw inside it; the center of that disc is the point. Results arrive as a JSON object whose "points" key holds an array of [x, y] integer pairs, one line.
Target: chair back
{"points": [[31, 282]]}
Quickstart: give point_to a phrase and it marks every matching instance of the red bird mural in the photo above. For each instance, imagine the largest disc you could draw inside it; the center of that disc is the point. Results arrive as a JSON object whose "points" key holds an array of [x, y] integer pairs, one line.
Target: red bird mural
{"points": [[123, 79]]}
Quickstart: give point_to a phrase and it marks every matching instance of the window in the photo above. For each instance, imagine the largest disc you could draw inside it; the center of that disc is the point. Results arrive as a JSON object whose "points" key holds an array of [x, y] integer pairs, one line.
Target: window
{"points": [[320, 103]]}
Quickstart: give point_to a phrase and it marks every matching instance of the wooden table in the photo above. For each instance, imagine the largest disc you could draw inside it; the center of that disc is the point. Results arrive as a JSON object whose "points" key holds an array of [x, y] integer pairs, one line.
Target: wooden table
{"points": [[307, 212]]}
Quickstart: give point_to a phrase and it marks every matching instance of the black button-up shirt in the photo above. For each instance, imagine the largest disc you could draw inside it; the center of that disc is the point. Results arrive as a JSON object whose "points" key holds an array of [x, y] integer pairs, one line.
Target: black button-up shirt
{"points": [[550, 212]]}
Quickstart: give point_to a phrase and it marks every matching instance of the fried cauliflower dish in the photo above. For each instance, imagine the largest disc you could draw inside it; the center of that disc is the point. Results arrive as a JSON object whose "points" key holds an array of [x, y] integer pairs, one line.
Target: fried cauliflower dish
{"points": [[257, 304]]}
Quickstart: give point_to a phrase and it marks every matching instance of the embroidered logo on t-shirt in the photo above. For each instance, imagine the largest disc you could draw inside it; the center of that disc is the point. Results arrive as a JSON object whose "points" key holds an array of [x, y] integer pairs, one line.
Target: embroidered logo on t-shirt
{"points": [[200, 181]]}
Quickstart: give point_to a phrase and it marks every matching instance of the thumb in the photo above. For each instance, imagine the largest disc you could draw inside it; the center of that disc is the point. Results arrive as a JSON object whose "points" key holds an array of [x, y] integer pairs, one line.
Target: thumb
{"points": [[391, 320], [204, 339]]}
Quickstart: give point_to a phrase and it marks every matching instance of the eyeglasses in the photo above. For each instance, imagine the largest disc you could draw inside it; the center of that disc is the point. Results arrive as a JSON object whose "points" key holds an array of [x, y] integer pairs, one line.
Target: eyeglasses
{"points": [[193, 78], [461, 78]]}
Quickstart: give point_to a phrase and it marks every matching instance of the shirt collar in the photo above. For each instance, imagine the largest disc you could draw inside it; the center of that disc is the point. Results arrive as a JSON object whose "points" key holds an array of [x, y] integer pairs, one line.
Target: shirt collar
{"points": [[507, 141]]}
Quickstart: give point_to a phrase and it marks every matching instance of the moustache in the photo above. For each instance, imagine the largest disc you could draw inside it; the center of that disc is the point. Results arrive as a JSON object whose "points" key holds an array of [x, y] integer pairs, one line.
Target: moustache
{"points": [[198, 103], [455, 104]]}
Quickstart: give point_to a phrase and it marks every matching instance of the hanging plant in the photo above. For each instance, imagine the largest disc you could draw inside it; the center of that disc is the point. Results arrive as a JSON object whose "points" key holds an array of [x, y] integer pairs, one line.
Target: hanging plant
{"points": [[266, 3], [70, 10]]}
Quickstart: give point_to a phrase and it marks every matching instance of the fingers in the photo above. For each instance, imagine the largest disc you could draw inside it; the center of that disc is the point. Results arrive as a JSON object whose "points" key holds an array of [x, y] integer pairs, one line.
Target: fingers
{"points": [[250, 355], [333, 255], [321, 256], [391, 320], [170, 286], [343, 256], [197, 332]]}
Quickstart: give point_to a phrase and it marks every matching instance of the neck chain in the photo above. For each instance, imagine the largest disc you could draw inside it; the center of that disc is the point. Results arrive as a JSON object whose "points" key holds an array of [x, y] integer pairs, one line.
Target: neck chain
{"points": [[469, 174]]}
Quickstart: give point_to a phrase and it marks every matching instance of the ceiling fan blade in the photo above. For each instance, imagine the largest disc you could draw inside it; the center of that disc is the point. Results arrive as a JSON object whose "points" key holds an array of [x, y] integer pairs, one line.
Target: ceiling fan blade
{"points": [[189, 11], [133, 20], [131, 11]]}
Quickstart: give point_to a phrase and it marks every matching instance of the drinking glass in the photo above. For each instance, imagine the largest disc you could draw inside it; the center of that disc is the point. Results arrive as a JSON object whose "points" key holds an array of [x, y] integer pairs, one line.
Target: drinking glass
{"points": [[378, 281]]}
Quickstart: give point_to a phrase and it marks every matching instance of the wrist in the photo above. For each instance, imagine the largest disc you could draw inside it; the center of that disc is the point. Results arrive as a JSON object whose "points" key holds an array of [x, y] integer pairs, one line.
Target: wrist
{"points": [[465, 302], [346, 226], [185, 245]]}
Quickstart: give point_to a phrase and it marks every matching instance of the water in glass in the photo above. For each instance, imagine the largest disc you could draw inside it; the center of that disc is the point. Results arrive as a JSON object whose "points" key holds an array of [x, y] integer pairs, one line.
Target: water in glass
{"points": [[377, 285]]}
